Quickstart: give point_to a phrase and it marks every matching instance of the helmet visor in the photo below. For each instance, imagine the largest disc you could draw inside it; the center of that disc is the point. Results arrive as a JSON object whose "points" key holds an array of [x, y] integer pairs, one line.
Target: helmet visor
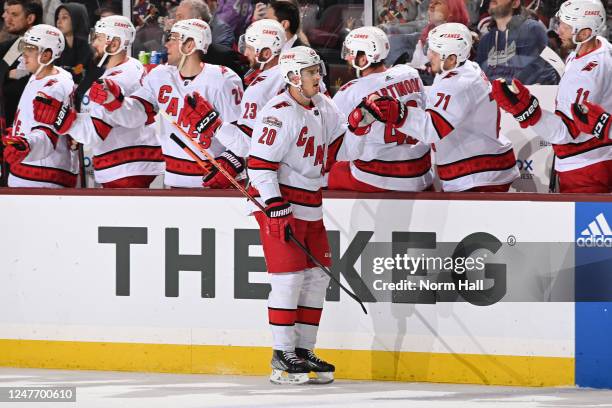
{"points": [[24, 46], [313, 70]]}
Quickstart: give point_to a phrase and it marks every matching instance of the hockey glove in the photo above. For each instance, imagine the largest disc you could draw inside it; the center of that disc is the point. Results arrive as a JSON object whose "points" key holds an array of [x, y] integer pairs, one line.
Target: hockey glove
{"points": [[518, 101], [231, 163], [360, 119], [592, 119], [16, 148], [280, 223], [387, 109], [107, 93], [50, 111], [202, 117]]}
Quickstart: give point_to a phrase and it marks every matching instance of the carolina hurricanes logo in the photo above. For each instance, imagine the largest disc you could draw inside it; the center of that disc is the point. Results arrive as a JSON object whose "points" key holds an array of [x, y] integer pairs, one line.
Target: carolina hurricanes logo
{"points": [[50, 82], [590, 66], [450, 75], [281, 105], [257, 80]]}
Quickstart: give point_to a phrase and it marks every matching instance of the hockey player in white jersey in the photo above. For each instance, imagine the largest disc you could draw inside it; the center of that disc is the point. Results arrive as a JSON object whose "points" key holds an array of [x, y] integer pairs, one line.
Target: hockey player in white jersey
{"points": [[182, 88], [37, 155], [461, 119], [583, 162], [261, 44], [391, 160], [289, 149], [122, 157]]}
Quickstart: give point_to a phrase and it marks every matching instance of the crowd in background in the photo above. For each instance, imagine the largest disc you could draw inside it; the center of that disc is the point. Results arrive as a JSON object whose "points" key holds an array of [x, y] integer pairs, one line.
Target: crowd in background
{"points": [[524, 46]]}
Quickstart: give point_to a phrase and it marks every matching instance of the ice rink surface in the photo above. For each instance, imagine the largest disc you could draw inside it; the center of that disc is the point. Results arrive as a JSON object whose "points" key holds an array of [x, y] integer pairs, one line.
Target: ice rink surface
{"points": [[123, 389]]}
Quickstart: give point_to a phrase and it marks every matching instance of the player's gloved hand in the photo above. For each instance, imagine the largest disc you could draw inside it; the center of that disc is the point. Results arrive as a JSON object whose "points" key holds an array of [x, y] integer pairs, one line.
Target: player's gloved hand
{"points": [[201, 116], [518, 101], [16, 148], [107, 93], [231, 163], [387, 109], [53, 112], [280, 223], [592, 119], [360, 119]]}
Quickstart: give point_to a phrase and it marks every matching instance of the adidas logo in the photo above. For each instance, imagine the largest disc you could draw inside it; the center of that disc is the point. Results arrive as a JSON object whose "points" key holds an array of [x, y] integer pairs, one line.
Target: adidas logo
{"points": [[598, 234]]}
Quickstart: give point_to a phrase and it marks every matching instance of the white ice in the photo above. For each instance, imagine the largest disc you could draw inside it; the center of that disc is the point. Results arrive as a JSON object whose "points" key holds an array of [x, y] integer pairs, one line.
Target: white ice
{"points": [[139, 390]]}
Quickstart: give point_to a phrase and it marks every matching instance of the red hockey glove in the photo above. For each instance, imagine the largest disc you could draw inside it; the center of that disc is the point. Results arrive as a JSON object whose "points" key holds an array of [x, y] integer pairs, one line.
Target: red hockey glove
{"points": [[231, 163], [201, 116], [16, 148], [360, 119], [107, 93], [50, 111], [387, 109], [592, 119], [280, 223], [518, 101]]}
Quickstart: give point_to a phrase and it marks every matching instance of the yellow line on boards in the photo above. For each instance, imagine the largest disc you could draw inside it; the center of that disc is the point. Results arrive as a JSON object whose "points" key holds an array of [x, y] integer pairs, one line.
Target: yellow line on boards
{"points": [[350, 364]]}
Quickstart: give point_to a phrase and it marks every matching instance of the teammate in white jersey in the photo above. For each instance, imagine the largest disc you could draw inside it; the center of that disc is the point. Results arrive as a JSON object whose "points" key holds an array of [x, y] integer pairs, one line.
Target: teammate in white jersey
{"points": [[37, 155], [461, 119], [182, 88], [289, 150], [261, 44], [391, 160], [583, 162], [123, 157]]}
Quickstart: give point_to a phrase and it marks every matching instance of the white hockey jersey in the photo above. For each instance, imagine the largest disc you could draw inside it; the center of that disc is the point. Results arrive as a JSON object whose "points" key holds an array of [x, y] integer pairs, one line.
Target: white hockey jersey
{"points": [[390, 159], [462, 122], [290, 148], [262, 88], [50, 162], [164, 88], [587, 77], [118, 151]]}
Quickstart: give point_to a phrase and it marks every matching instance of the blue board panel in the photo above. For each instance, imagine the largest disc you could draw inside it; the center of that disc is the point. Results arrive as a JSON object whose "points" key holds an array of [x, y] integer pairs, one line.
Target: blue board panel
{"points": [[593, 281]]}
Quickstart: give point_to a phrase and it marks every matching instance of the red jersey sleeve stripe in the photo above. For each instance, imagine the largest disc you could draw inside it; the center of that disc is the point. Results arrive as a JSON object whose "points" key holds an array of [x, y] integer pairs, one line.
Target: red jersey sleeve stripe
{"points": [[245, 129], [148, 107], [569, 123], [102, 128], [257, 163], [332, 152], [442, 126]]}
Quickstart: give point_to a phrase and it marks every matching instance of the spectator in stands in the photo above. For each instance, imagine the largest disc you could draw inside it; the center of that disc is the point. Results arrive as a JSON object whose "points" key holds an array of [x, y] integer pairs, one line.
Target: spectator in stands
{"points": [[19, 16], [514, 44], [71, 19], [287, 13], [439, 12], [49, 7], [237, 14], [217, 54], [222, 34], [91, 6]]}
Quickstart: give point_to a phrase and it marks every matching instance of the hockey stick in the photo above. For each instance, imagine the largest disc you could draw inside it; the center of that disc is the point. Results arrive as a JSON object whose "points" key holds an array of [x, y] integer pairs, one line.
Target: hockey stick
{"points": [[249, 197], [552, 183]]}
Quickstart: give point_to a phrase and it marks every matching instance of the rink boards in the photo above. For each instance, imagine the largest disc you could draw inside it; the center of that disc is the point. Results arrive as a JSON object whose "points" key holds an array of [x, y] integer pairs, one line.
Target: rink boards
{"points": [[168, 283]]}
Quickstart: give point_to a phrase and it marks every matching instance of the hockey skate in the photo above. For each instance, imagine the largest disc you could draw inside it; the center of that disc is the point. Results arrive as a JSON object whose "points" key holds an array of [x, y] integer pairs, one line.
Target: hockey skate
{"points": [[287, 368], [322, 369]]}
